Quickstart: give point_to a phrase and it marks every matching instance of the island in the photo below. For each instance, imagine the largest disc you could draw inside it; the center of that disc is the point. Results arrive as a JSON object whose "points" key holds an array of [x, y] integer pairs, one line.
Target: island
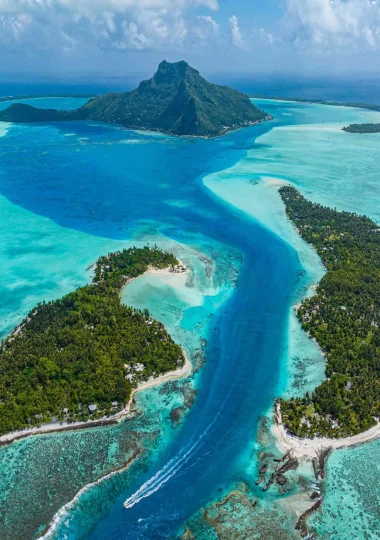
{"points": [[175, 101], [44, 96], [343, 317], [362, 128], [81, 356]]}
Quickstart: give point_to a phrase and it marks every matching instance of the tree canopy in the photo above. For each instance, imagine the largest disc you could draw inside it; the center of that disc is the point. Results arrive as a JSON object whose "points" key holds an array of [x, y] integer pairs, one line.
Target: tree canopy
{"points": [[84, 349], [362, 128], [343, 317], [176, 100]]}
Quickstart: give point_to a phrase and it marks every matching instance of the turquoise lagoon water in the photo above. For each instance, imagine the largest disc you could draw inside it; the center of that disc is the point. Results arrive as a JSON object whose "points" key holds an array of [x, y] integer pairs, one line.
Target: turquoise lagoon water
{"points": [[93, 188]]}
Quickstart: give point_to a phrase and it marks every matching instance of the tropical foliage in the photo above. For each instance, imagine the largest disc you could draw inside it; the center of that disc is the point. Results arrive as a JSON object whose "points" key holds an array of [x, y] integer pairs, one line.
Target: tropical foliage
{"points": [[362, 128], [343, 317], [84, 349], [176, 100]]}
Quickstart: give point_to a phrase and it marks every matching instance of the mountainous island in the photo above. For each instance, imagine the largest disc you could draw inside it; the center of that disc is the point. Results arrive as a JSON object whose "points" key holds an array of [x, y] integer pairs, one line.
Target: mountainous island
{"points": [[176, 101], [362, 128], [79, 357], [344, 319]]}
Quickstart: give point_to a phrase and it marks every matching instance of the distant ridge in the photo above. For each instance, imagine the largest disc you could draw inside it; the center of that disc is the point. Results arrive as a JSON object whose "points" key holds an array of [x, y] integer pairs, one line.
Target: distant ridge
{"points": [[176, 100]]}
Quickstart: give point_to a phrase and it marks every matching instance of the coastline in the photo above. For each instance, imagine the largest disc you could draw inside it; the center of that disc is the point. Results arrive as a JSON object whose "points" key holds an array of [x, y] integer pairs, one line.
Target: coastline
{"points": [[45, 429], [138, 129], [180, 373], [16, 98], [348, 104], [310, 448], [51, 527]]}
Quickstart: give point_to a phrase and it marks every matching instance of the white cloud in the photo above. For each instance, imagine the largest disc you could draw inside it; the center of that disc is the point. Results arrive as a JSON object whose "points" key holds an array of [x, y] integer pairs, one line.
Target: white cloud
{"points": [[103, 24], [209, 23], [335, 23], [204, 31], [133, 39], [236, 35], [266, 37]]}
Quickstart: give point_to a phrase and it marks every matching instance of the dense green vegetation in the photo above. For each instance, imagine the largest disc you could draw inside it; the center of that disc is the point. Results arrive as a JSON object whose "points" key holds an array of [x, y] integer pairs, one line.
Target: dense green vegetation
{"points": [[343, 317], [34, 96], [362, 128], [176, 100], [84, 349], [23, 113]]}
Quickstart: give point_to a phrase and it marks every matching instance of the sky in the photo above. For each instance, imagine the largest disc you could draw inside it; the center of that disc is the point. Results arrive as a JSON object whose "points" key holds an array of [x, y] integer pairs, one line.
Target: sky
{"points": [[242, 37]]}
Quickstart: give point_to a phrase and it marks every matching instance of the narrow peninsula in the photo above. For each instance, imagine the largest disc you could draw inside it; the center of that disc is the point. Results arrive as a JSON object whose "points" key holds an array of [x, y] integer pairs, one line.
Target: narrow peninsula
{"points": [[343, 317], [176, 101], [80, 357]]}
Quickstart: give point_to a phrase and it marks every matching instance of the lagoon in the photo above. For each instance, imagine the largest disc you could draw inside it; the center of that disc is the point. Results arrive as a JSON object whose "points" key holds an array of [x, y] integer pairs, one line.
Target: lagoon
{"points": [[93, 188]]}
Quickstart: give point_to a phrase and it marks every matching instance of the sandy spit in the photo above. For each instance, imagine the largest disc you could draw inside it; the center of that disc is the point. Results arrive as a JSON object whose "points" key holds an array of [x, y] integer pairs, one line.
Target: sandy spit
{"points": [[308, 448]]}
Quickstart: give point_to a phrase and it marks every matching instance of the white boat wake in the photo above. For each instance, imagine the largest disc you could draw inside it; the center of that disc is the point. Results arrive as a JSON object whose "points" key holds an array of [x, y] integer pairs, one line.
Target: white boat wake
{"points": [[170, 469]]}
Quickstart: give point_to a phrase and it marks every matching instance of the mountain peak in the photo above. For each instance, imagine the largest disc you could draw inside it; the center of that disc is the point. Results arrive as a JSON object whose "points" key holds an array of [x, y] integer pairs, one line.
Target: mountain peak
{"points": [[172, 72], [176, 100]]}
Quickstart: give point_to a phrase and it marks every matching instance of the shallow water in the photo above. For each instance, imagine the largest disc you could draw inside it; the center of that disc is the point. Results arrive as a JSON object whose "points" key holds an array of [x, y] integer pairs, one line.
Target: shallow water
{"points": [[351, 507], [94, 188]]}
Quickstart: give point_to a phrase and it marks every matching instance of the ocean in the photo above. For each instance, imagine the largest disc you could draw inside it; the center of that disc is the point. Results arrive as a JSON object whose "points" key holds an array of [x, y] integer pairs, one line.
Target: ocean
{"points": [[72, 191]]}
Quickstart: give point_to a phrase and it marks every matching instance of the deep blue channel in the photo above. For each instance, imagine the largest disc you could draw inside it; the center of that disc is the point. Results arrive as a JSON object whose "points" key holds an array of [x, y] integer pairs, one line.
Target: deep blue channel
{"points": [[95, 183]]}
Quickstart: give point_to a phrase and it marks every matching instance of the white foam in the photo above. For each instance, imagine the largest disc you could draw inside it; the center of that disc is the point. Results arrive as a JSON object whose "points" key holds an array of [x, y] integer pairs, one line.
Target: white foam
{"points": [[167, 472], [4, 127], [64, 511]]}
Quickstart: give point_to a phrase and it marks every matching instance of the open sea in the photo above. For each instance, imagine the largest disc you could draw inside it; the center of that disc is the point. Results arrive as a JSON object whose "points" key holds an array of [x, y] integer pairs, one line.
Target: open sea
{"points": [[72, 191]]}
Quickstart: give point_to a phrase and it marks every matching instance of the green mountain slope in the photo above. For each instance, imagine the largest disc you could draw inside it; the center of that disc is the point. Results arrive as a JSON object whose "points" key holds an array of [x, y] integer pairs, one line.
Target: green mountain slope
{"points": [[22, 113], [176, 100]]}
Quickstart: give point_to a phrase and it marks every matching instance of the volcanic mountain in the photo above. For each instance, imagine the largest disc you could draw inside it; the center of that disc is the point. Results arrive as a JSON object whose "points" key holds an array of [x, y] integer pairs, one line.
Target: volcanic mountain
{"points": [[176, 100]]}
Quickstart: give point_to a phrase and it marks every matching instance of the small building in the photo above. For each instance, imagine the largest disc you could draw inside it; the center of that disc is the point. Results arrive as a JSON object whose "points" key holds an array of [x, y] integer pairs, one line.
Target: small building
{"points": [[139, 367], [92, 408], [65, 410], [114, 404]]}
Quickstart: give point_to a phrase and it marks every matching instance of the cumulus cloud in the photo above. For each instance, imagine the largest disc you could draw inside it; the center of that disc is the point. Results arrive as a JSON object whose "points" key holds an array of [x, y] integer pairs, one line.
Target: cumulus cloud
{"points": [[236, 34], [121, 24], [266, 37], [204, 31], [208, 22], [335, 23]]}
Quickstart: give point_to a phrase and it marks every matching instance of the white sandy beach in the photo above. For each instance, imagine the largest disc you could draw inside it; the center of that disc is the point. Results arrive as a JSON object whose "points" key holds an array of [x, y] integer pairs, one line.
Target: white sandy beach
{"points": [[180, 373], [276, 182], [173, 278], [308, 448]]}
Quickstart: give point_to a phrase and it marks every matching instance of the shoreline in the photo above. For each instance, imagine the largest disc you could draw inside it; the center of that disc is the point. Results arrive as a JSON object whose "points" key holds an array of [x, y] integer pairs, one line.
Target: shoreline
{"points": [[346, 104], [180, 373], [51, 527], [309, 448], [56, 427], [140, 129], [229, 129], [52, 96]]}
